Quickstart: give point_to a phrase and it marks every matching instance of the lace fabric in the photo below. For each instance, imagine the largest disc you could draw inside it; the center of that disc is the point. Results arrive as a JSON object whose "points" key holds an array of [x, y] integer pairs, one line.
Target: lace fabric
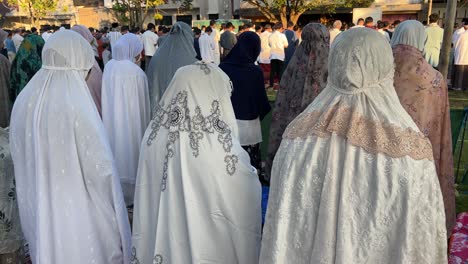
{"points": [[371, 135]]}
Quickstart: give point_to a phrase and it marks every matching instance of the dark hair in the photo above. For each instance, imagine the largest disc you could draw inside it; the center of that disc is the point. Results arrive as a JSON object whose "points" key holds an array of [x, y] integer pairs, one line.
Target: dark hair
{"points": [[33, 30], [258, 27], [105, 45], [396, 22], [267, 26], [360, 19], [433, 18], [91, 29], [212, 23], [150, 26], [385, 23], [248, 25], [424, 22], [165, 30], [197, 31], [351, 24], [208, 29], [380, 25], [465, 21], [368, 20], [278, 26], [124, 28], [115, 25], [203, 27], [229, 25], [290, 24]]}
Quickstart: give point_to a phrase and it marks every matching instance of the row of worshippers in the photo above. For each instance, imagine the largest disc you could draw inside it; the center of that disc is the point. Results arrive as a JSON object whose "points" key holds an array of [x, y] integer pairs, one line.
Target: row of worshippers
{"points": [[362, 173]]}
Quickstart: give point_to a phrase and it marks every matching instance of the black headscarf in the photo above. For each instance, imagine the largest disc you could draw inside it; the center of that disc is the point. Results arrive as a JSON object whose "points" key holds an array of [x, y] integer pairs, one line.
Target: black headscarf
{"points": [[249, 97]]}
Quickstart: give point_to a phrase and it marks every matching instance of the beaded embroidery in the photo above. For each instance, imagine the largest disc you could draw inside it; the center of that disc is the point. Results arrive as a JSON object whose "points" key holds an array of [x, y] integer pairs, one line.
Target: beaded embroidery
{"points": [[176, 118], [373, 136]]}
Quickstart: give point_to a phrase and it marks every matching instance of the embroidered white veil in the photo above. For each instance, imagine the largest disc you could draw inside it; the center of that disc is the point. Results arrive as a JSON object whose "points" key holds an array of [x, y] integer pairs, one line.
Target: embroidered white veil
{"points": [[197, 198]]}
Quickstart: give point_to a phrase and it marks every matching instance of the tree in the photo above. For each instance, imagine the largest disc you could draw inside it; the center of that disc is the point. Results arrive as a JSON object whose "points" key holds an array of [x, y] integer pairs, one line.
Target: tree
{"points": [[270, 9], [135, 12], [37, 9]]}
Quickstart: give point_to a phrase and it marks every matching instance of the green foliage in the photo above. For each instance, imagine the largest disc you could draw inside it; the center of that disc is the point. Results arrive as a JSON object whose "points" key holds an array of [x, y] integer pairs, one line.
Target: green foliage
{"points": [[272, 8], [37, 9]]}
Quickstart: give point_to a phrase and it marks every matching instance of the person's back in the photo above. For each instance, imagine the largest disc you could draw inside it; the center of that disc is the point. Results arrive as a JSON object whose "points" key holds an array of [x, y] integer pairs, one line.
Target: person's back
{"points": [[435, 35], [125, 109], [17, 39], [70, 199], [264, 57], [207, 46]]}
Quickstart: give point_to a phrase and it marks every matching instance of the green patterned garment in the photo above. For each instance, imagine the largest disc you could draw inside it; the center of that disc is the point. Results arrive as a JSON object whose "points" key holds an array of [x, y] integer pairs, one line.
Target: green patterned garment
{"points": [[27, 62]]}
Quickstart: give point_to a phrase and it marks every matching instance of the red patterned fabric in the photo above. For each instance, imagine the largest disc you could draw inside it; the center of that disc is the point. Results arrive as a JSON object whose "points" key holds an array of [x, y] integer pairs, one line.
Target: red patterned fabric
{"points": [[459, 241]]}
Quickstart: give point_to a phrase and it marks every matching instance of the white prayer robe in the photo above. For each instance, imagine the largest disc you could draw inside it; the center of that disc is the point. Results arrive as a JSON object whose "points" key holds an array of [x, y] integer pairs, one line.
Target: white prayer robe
{"points": [[70, 200], [197, 198], [353, 180], [461, 49], [207, 48], [125, 109], [435, 35], [264, 56]]}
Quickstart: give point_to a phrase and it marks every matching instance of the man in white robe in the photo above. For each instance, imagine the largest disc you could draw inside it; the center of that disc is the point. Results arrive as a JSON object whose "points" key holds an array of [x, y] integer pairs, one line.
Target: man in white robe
{"points": [[461, 60], [125, 108], [69, 195], [207, 46], [197, 198], [335, 30], [435, 35]]}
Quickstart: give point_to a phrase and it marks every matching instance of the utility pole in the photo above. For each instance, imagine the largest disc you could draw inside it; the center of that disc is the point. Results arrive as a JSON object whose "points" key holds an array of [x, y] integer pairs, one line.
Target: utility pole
{"points": [[444, 58]]}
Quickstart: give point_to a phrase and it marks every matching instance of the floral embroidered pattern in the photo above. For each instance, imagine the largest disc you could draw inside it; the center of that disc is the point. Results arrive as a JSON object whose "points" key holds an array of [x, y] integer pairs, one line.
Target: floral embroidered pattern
{"points": [[373, 136], [134, 259], [177, 119], [158, 259]]}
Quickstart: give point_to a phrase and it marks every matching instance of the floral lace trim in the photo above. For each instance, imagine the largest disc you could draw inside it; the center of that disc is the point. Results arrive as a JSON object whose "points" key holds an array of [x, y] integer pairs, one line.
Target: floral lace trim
{"points": [[177, 119], [373, 136]]}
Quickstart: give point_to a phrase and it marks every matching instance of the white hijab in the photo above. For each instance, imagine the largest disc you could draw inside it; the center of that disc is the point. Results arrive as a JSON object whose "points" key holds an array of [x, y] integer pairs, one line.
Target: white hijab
{"points": [[69, 195], [197, 198], [354, 179], [125, 109], [127, 48], [410, 32]]}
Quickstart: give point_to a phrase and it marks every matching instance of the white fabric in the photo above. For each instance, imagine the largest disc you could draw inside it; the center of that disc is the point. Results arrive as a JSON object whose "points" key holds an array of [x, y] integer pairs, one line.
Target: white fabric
{"points": [[203, 210], [410, 32], [216, 51], [106, 56], [113, 37], [250, 132], [461, 49], [46, 35], [264, 56], [278, 42], [125, 109], [333, 202], [333, 34], [70, 200], [17, 40], [384, 33], [435, 35], [150, 41], [207, 48], [457, 34]]}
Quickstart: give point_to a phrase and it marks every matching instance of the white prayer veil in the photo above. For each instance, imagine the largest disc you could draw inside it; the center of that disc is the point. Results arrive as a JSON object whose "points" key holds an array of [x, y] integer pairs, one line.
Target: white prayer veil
{"points": [[69, 196], [354, 179], [127, 47], [410, 32], [197, 198], [125, 109]]}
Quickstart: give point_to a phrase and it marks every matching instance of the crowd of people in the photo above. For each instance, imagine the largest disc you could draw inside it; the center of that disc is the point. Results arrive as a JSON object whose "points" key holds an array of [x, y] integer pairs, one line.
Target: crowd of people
{"points": [[160, 130]]}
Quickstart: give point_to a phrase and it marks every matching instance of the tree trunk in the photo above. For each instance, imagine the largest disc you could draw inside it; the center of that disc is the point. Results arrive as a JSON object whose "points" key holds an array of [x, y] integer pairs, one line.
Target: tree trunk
{"points": [[293, 17], [444, 58]]}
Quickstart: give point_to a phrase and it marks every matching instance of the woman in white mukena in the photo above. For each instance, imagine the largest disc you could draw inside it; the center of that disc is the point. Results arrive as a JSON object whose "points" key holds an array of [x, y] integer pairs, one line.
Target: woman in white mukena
{"points": [[354, 179], [197, 198], [71, 205], [125, 109]]}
